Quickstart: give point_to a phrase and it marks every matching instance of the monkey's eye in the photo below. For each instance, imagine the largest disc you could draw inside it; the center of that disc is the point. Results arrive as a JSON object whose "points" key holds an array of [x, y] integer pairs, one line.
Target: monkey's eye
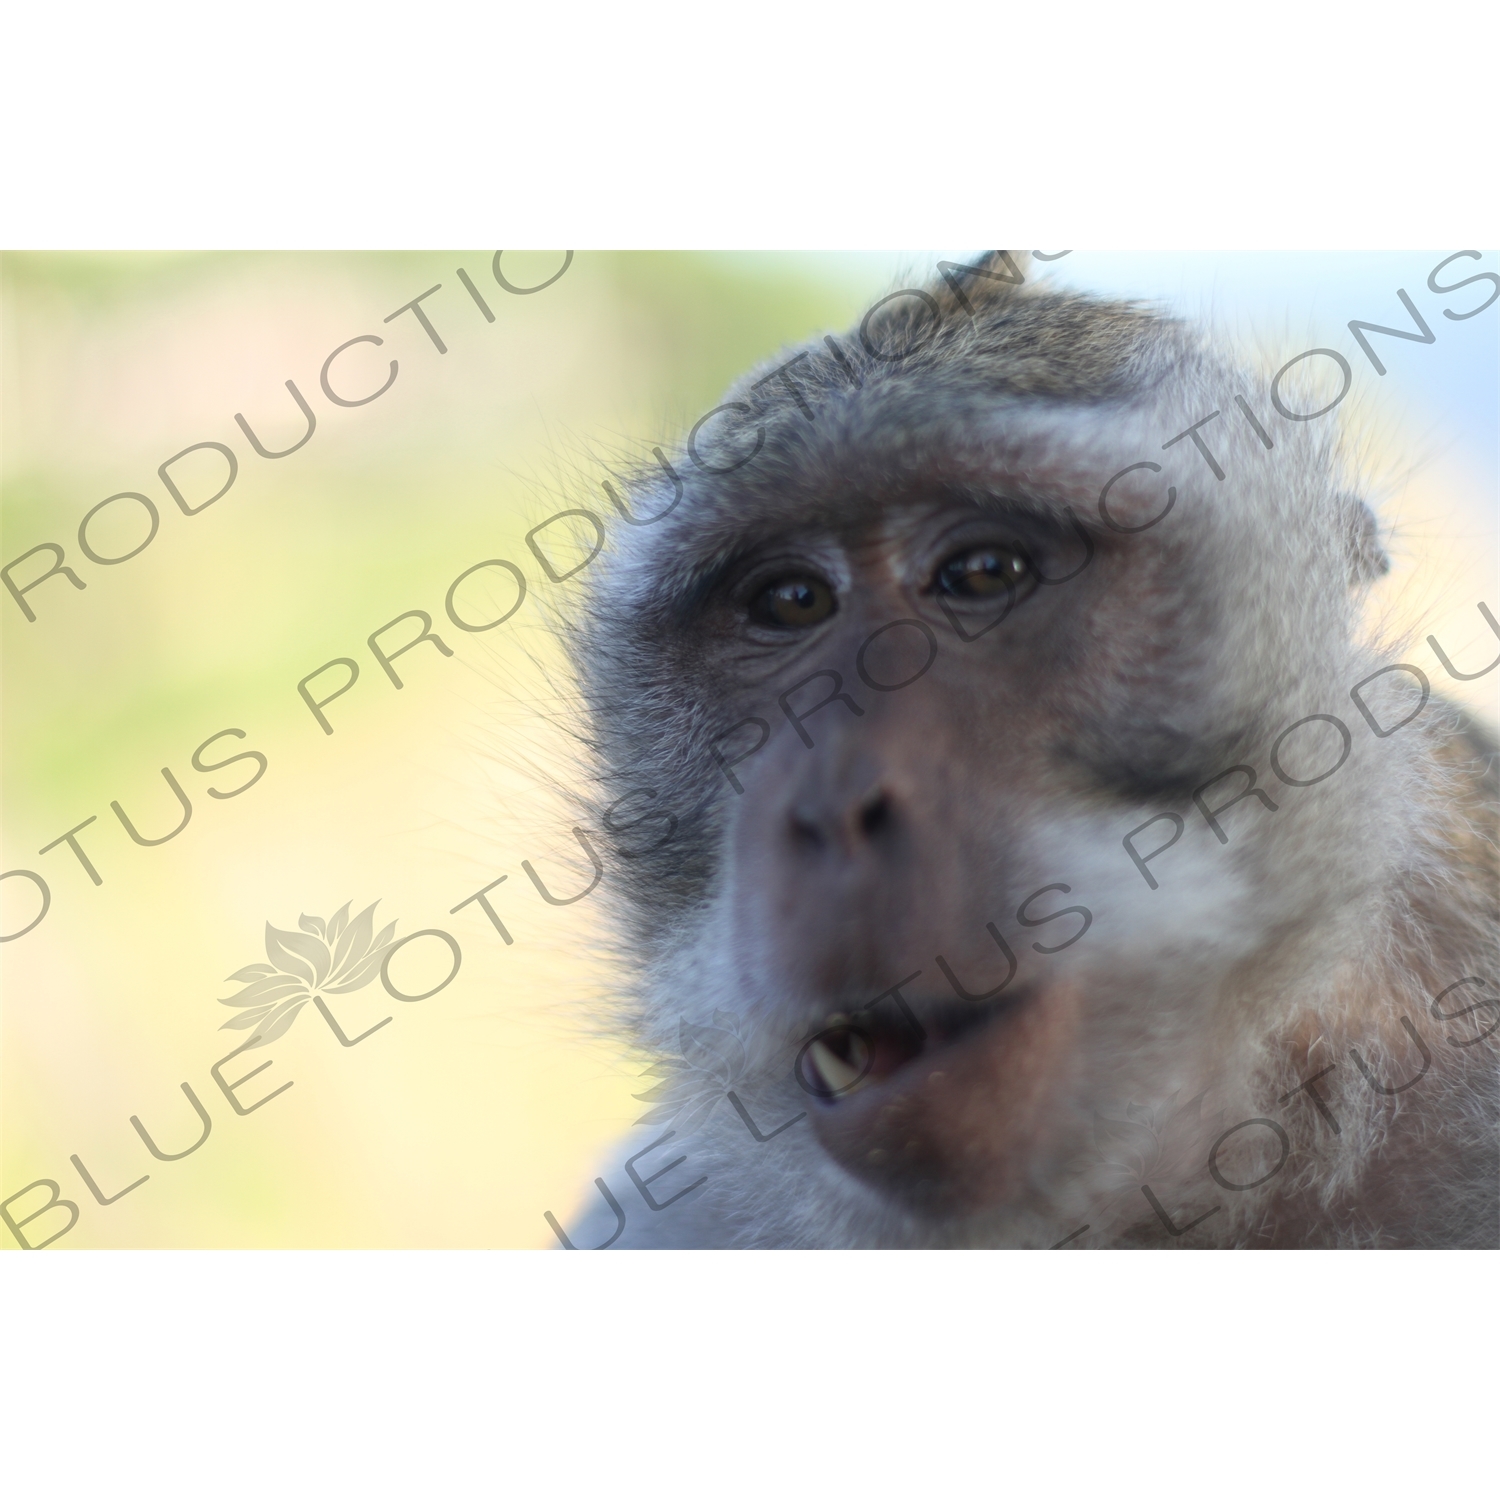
{"points": [[793, 603], [982, 573]]}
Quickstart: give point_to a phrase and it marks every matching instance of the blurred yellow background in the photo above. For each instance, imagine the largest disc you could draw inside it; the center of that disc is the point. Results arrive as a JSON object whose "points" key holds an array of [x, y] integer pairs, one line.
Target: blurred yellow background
{"points": [[473, 1111]]}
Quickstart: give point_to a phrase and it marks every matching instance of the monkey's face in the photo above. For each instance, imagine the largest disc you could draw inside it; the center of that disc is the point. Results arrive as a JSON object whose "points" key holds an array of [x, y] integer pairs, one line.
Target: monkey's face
{"points": [[897, 810], [926, 686]]}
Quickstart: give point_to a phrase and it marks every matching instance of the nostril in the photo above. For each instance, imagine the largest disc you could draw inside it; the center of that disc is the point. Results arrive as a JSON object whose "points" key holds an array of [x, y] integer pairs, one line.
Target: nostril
{"points": [[864, 821], [875, 815], [805, 831]]}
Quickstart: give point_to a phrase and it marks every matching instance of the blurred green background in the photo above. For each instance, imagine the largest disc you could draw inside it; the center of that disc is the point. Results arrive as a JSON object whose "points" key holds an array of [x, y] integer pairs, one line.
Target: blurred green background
{"points": [[474, 1111]]}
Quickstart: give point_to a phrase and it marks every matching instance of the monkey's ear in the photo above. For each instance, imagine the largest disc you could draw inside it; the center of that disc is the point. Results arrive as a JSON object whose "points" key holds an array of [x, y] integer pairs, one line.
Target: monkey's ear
{"points": [[1368, 559]]}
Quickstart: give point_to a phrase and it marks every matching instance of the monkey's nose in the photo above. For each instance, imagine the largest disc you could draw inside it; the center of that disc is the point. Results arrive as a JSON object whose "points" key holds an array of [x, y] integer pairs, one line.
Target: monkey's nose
{"points": [[847, 826]]}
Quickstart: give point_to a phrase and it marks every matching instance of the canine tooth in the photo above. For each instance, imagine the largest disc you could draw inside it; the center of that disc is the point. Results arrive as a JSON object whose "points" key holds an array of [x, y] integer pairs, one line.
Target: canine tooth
{"points": [[836, 1074]]}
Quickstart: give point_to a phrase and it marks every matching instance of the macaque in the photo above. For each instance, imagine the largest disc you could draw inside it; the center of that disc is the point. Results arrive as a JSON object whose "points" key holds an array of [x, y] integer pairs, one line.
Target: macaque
{"points": [[1014, 839]]}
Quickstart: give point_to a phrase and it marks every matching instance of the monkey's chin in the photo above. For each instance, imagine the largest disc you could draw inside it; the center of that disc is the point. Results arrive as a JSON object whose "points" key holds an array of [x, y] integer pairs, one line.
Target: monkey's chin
{"points": [[953, 1124]]}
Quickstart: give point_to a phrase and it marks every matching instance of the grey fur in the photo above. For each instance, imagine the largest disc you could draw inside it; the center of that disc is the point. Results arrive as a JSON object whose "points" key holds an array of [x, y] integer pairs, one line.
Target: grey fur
{"points": [[1319, 927]]}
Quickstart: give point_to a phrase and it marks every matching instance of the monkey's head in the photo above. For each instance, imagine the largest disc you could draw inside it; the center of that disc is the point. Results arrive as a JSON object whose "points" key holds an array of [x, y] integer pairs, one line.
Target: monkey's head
{"points": [[945, 610]]}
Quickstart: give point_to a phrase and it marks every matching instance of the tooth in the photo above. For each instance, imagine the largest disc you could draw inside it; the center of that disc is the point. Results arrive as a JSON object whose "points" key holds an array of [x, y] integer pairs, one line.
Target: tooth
{"points": [[836, 1074]]}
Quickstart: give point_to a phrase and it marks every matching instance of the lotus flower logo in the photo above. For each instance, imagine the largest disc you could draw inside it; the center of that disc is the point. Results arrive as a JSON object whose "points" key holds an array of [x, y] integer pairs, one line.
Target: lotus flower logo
{"points": [[713, 1061], [324, 958]]}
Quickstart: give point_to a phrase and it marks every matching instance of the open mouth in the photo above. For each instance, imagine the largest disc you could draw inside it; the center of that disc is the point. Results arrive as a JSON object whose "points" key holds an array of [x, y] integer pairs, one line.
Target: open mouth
{"points": [[852, 1052], [940, 1103]]}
